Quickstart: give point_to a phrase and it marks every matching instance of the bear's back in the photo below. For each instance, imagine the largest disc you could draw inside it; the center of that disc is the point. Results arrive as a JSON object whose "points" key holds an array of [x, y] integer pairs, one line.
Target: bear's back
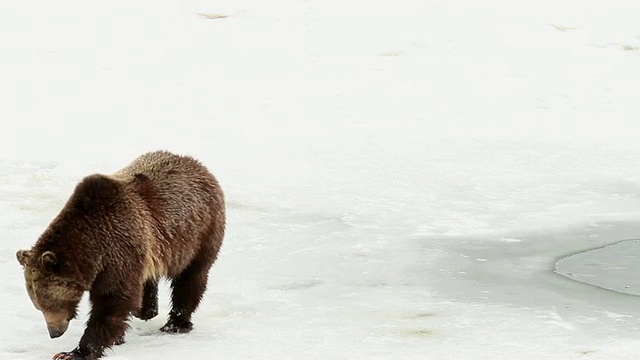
{"points": [[184, 200]]}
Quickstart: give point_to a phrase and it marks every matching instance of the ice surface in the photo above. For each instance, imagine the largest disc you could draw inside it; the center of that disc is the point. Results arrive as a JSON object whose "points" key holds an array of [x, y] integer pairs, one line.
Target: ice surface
{"points": [[401, 177]]}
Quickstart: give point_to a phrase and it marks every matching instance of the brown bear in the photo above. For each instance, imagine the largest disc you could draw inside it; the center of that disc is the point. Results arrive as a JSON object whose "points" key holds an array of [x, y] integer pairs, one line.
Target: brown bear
{"points": [[161, 216]]}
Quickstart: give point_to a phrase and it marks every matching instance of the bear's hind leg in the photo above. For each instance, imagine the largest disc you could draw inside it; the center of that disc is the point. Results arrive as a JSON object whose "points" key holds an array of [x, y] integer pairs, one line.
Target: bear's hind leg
{"points": [[186, 293], [149, 308]]}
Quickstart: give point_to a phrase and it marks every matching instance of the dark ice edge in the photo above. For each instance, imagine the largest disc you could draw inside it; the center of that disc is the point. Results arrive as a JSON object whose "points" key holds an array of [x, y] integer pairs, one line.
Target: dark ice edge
{"points": [[562, 257]]}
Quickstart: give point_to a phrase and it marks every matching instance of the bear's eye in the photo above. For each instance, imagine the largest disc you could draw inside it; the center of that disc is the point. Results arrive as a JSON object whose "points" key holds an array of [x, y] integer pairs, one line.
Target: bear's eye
{"points": [[50, 262]]}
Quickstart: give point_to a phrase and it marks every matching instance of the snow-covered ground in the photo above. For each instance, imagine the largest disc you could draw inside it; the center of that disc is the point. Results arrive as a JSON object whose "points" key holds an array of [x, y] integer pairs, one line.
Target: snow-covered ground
{"points": [[401, 177]]}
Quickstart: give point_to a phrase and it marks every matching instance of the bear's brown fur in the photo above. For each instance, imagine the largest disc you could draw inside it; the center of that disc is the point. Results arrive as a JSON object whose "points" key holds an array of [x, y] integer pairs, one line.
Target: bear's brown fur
{"points": [[163, 215]]}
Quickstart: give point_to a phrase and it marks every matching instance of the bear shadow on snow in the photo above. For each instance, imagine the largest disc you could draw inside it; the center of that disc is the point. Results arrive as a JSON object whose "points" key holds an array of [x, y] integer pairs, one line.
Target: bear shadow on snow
{"points": [[161, 216]]}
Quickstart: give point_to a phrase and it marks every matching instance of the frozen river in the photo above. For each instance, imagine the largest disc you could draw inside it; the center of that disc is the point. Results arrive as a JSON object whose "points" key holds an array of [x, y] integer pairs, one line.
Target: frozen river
{"points": [[407, 180]]}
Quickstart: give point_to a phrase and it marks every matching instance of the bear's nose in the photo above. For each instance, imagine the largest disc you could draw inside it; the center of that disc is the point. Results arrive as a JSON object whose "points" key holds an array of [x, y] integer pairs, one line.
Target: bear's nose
{"points": [[57, 323], [56, 331]]}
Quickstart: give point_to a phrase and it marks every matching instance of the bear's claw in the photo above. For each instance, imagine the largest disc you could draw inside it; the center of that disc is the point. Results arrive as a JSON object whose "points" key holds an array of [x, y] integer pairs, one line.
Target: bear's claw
{"points": [[120, 341], [72, 355], [173, 328]]}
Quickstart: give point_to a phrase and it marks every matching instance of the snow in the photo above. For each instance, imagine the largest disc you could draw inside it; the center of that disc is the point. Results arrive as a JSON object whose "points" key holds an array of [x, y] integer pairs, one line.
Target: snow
{"points": [[401, 177]]}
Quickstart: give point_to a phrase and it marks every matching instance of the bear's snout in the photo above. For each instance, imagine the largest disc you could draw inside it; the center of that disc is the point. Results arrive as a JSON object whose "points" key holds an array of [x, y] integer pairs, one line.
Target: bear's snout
{"points": [[57, 323], [57, 330]]}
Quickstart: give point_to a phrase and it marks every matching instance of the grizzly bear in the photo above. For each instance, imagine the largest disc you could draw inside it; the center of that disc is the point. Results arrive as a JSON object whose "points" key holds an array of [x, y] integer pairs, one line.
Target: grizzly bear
{"points": [[161, 216]]}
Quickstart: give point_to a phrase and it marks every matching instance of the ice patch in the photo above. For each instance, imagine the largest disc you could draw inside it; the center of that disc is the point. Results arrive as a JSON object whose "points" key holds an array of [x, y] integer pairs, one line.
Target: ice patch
{"points": [[613, 267]]}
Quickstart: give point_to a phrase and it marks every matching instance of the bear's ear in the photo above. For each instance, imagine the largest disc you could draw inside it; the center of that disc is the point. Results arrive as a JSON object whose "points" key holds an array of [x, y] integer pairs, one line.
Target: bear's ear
{"points": [[50, 261], [23, 256]]}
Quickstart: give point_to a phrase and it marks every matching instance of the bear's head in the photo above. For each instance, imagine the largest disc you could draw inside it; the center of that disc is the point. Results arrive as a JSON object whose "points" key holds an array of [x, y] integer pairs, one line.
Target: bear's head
{"points": [[51, 287]]}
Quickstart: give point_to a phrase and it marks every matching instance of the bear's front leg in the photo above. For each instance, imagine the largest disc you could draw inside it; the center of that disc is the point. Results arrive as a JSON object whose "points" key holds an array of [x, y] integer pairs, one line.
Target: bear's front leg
{"points": [[106, 326]]}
